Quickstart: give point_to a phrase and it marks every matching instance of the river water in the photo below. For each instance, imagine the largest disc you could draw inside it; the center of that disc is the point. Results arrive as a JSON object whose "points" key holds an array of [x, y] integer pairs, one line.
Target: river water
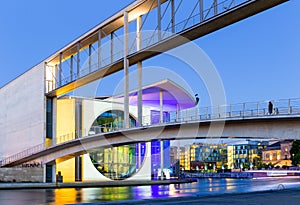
{"points": [[88, 195]]}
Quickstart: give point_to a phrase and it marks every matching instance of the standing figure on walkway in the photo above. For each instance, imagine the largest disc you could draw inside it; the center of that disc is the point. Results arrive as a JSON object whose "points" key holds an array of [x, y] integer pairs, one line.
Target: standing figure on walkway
{"points": [[270, 107], [197, 99]]}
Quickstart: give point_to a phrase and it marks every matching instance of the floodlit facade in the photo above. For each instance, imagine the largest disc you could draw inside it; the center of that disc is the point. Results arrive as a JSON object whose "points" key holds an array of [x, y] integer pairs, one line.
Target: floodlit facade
{"points": [[54, 121], [278, 154]]}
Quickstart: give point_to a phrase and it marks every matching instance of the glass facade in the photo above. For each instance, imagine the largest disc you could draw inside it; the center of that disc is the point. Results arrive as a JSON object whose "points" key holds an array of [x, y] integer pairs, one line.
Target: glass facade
{"points": [[110, 121], [118, 162]]}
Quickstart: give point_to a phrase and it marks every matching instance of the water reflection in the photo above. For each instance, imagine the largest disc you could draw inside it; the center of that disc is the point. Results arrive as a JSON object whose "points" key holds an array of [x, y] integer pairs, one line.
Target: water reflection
{"points": [[89, 195]]}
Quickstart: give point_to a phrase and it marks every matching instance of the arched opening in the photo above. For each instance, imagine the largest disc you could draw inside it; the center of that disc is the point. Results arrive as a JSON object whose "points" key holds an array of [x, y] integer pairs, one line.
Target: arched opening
{"points": [[119, 162]]}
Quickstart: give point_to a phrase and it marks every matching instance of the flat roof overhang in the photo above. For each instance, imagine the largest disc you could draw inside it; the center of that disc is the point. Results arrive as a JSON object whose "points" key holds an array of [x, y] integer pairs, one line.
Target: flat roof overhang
{"points": [[174, 96]]}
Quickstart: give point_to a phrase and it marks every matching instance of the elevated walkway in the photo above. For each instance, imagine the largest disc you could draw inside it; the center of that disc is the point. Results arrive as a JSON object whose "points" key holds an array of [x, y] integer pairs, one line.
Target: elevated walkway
{"points": [[225, 121]]}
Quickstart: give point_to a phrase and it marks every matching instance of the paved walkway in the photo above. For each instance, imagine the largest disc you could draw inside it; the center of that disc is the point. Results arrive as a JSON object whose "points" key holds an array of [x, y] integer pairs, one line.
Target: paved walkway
{"points": [[88, 184], [283, 197]]}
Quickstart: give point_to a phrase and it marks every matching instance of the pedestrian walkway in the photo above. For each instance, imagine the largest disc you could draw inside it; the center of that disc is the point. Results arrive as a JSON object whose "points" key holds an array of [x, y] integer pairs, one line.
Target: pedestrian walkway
{"points": [[88, 184]]}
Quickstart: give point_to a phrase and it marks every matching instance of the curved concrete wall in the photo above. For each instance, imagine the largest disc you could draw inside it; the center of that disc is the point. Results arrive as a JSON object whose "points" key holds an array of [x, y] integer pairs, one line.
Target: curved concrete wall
{"points": [[91, 110]]}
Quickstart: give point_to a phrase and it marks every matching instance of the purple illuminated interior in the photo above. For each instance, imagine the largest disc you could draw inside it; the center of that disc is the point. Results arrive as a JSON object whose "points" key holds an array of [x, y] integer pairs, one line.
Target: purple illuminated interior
{"points": [[173, 96]]}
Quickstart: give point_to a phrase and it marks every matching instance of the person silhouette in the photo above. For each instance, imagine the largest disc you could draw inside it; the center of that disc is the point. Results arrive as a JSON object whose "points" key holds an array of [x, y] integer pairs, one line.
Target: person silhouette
{"points": [[270, 107], [197, 99]]}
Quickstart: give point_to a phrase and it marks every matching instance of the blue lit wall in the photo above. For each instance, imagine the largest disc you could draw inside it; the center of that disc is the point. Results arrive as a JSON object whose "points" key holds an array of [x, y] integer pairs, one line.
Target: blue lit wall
{"points": [[155, 155]]}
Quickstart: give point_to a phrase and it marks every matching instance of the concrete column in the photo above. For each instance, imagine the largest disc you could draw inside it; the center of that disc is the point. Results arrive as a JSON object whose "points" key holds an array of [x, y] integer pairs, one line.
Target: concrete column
{"points": [[78, 168], [60, 69], [162, 159], [201, 7], [99, 48], [159, 19], [71, 67], [126, 72], [161, 106], [54, 173], [140, 74], [78, 118], [139, 155], [44, 173], [78, 131], [78, 60], [173, 15], [54, 120]]}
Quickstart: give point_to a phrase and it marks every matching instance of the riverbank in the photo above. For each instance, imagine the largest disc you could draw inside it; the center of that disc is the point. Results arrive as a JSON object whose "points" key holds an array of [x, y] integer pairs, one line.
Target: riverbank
{"points": [[274, 197], [7, 186], [246, 174]]}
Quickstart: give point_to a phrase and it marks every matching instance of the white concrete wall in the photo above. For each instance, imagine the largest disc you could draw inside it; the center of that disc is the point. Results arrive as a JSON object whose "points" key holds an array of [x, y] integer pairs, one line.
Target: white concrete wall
{"points": [[22, 112]]}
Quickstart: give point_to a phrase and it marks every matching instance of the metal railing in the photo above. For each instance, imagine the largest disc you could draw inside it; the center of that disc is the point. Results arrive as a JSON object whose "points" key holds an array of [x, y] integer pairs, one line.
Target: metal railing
{"points": [[28, 152], [239, 111], [148, 41]]}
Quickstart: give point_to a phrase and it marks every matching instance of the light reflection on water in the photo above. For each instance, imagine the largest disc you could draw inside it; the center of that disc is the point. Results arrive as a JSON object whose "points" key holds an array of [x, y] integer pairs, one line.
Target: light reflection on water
{"points": [[88, 195]]}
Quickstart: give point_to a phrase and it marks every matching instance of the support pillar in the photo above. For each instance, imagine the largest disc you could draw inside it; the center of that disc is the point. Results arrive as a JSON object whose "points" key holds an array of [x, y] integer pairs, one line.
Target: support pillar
{"points": [[56, 76], [90, 58], [99, 49], [140, 74], [112, 47], [78, 60], [60, 69], [78, 168], [201, 7], [162, 159], [173, 15], [161, 106], [78, 118], [159, 19], [139, 155], [126, 72], [215, 7], [78, 131], [71, 67]]}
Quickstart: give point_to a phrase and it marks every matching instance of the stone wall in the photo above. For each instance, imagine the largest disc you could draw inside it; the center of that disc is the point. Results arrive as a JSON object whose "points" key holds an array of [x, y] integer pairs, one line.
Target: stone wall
{"points": [[21, 174]]}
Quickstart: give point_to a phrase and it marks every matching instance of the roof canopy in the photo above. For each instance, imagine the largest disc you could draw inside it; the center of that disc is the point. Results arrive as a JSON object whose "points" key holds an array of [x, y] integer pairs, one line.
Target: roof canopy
{"points": [[173, 95]]}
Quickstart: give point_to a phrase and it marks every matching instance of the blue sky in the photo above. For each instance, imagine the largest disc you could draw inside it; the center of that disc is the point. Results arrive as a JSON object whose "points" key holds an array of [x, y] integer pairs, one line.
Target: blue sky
{"points": [[257, 58]]}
